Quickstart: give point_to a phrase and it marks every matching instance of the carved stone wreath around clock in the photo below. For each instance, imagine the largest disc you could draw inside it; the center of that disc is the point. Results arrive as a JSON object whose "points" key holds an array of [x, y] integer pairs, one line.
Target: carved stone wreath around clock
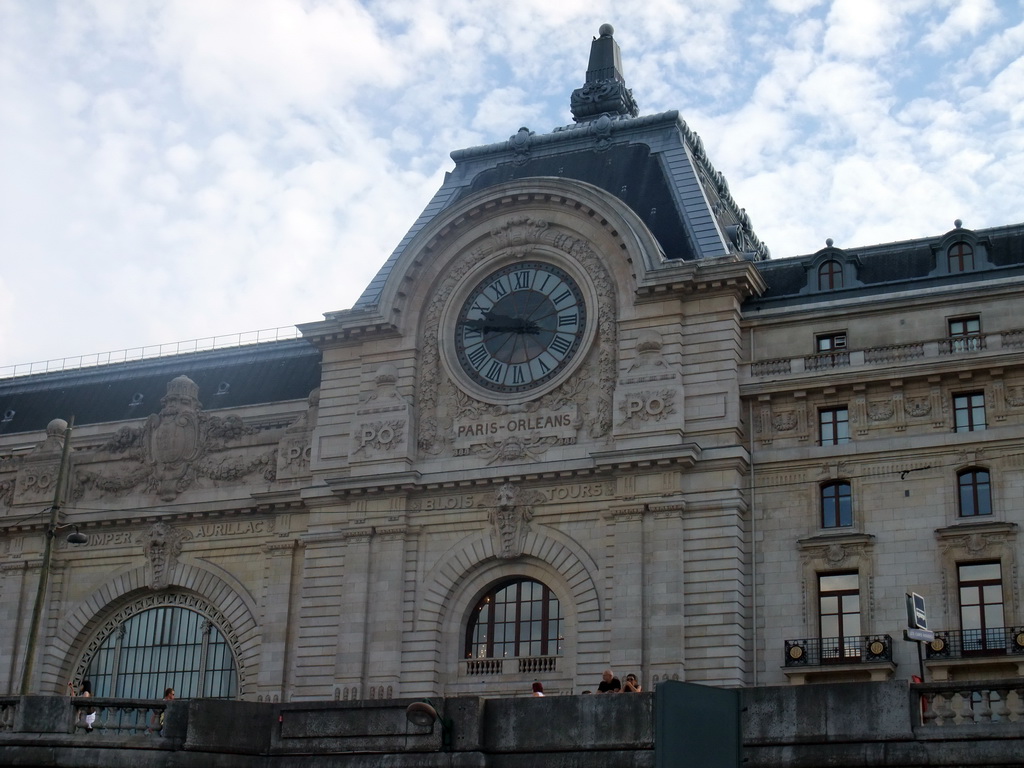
{"points": [[577, 394]]}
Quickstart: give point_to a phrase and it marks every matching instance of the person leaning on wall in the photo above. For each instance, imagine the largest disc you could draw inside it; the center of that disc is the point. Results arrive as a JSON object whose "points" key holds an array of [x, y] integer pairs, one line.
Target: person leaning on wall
{"points": [[609, 683], [632, 685]]}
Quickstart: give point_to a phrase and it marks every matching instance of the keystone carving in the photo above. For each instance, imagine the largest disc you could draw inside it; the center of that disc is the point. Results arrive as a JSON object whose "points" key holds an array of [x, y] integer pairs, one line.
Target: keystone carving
{"points": [[162, 545], [510, 519]]}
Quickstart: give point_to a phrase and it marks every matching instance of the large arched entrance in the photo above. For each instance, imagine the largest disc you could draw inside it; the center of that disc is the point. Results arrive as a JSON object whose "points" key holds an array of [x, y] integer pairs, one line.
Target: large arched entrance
{"points": [[148, 648]]}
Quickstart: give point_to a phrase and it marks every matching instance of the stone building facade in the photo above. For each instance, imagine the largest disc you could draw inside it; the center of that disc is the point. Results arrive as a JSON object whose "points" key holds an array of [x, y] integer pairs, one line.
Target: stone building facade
{"points": [[886, 395], [578, 420]]}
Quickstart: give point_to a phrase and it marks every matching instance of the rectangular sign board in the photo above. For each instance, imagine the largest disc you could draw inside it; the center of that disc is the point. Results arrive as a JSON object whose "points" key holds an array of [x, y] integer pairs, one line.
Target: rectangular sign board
{"points": [[916, 616], [920, 635]]}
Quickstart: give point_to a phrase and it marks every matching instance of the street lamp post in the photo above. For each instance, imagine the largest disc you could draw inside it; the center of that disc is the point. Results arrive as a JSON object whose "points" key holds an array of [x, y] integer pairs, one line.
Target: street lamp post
{"points": [[44, 572]]}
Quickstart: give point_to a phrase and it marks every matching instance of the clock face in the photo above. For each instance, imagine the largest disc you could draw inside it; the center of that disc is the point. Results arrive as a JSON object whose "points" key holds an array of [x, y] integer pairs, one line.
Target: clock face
{"points": [[520, 327]]}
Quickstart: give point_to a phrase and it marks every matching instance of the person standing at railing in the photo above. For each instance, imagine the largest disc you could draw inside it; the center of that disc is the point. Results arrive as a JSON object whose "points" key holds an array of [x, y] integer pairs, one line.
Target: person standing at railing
{"points": [[157, 723], [90, 712]]}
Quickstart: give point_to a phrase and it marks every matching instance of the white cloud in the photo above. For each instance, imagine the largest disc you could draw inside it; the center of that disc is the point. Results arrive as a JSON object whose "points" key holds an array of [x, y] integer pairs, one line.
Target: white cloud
{"points": [[186, 169], [965, 20], [862, 29], [794, 6], [989, 54]]}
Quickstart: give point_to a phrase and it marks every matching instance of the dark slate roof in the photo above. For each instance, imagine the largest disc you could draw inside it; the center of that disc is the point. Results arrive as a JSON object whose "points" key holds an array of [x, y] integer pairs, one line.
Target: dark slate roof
{"points": [[260, 373], [654, 164], [630, 172], [891, 266]]}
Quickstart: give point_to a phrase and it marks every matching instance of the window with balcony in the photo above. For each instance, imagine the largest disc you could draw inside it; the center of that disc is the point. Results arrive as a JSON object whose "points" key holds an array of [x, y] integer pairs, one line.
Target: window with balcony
{"points": [[975, 492], [830, 275], [960, 258], [829, 342], [981, 608], [965, 334], [515, 619], [839, 617], [969, 412], [830, 352], [836, 505], [834, 426]]}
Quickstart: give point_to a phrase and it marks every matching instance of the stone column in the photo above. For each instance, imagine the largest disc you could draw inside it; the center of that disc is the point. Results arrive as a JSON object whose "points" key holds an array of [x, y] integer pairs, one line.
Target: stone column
{"points": [[319, 616], [626, 563], [717, 587], [383, 644], [665, 591], [278, 618], [15, 612], [354, 611]]}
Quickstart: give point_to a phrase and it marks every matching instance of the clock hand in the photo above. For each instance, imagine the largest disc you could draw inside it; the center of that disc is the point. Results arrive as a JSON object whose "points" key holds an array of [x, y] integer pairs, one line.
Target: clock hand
{"points": [[495, 323]]}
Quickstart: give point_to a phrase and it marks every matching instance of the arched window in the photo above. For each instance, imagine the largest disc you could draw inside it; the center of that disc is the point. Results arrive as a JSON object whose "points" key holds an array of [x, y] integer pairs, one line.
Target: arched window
{"points": [[164, 647], [836, 505], [960, 257], [975, 492], [830, 275], [515, 619]]}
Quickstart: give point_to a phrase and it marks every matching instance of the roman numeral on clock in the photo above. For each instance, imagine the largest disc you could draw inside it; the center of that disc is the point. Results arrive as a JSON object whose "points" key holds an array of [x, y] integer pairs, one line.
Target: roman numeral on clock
{"points": [[561, 344], [494, 371], [477, 356]]}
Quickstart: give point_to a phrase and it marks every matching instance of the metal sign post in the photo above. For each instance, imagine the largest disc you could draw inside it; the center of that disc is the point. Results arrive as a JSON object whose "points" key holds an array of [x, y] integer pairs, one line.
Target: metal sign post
{"points": [[917, 627]]}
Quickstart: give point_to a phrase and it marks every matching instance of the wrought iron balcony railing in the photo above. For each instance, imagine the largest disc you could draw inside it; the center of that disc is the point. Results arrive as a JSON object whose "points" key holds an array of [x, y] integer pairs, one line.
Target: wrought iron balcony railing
{"points": [[971, 643], [817, 652]]}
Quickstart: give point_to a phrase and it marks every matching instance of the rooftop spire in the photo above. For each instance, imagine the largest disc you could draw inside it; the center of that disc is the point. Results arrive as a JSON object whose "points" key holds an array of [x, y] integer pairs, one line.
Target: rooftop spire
{"points": [[604, 91]]}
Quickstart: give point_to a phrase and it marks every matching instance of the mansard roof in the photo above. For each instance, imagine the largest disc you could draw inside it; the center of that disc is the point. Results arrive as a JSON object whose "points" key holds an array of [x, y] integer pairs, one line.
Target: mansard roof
{"points": [[656, 165], [897, 266], [227, 378]]}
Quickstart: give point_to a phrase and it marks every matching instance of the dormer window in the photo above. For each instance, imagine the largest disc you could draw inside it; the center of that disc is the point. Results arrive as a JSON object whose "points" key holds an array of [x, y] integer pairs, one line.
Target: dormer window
{"points": [[960, 250], [830, 275], [831, 269], [960, 258]]}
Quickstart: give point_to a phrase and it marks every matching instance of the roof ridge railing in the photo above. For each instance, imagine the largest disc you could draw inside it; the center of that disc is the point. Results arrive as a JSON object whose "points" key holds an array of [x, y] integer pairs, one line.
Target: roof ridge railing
{"points": [[132, 354]]}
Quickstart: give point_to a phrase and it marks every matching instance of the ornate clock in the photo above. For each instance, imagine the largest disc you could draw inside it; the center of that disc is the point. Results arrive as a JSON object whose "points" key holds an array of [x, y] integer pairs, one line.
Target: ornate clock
{"points": [[520, 327]]}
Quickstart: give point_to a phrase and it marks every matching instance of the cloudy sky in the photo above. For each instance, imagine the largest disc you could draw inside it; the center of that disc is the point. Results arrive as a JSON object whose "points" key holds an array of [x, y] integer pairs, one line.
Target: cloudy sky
{"points": [[179, 169]]}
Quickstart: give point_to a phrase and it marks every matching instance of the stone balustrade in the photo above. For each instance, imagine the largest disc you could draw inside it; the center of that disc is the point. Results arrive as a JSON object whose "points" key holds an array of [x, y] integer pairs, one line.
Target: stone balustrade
{"points": [[525, 665], [943, 705], [888, 354]]}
